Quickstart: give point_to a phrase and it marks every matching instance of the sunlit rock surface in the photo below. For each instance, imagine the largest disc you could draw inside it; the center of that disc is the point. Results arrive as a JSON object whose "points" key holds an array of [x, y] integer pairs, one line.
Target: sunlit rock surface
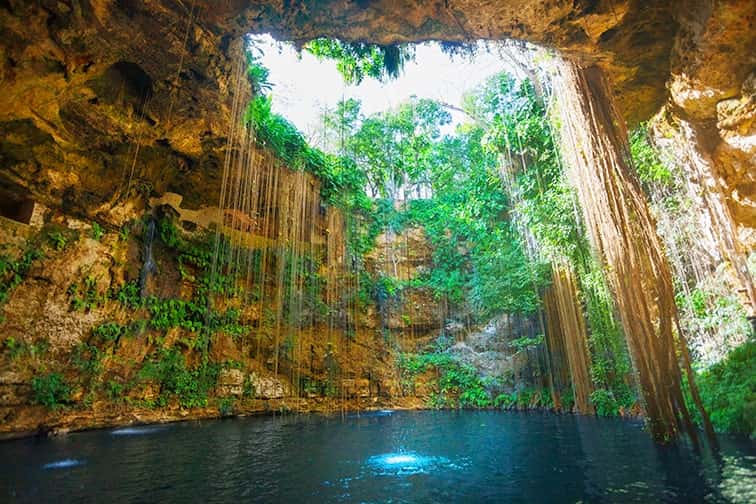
{"points": [[86, 84]]}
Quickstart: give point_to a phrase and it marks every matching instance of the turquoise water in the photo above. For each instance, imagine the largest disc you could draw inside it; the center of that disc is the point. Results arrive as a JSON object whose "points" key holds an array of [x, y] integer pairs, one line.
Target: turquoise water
{"points": [[380, 457]]}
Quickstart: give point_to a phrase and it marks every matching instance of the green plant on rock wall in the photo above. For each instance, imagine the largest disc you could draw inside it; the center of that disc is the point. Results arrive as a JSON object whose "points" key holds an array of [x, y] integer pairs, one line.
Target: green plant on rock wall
{"points": [[248, 387], [85, 296], [459, 385], [115, 390], [57, 240], [109, 331], [526, 342], [649, 166], [190, 386], [33, 350], [87, 359], [226, 406], [14, 271], [728, 391], [97, 231], [51, 390], [128, 295], [124, 232]]}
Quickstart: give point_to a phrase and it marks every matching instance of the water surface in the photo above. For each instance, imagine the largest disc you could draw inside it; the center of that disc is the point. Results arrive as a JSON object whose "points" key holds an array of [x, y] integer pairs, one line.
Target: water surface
{"points": [[380, 457]]}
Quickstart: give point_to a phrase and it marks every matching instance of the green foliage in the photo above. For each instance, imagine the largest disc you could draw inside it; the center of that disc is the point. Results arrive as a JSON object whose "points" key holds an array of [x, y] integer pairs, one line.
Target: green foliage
{"points": [[505, 400], [604, 402], [115, 390], [526, 342], [17, 349], [57, 240], [85, 296], [340, 183], [477, 256], [226, 406], [709, 308], [124, 232], [257, 74], [129, 296], [12, 347], [648, 165], [568, 400], [87, 359], [728, 391], [459, 386], [97, 231], [610, 361], [248, 387], [195, 315], [384, 288], [357, 60], [523, 399], [13, 271], [189, 386], [109, 331], [51, 390]]}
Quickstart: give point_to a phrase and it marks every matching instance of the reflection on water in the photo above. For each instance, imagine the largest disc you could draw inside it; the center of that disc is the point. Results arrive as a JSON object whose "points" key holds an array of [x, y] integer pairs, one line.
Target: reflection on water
{"points": [[137, 431], [377, 457], [62, 464], [739, 478], [402, 464]]}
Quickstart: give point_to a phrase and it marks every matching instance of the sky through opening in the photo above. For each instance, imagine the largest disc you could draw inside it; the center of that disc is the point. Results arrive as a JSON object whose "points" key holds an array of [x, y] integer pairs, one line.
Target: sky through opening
{"points": [[304, 86]]}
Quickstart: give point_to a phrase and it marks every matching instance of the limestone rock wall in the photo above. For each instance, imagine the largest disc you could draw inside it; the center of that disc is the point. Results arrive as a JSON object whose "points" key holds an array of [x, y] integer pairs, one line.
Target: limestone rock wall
{"points": [[409, 311], [104, 99], [75, 313]]}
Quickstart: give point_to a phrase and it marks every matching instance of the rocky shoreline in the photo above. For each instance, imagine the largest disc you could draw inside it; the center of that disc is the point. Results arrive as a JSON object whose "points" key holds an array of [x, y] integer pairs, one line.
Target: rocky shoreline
{"points": [[30, 421]]}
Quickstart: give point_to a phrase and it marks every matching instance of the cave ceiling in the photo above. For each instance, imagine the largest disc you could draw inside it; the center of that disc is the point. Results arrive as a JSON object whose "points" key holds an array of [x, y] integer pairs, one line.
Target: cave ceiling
{"points": [[87, 82]]}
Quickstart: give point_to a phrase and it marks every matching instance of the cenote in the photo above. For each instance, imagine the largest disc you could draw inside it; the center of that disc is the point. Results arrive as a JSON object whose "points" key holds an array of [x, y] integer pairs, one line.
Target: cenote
{"points": [[377, 251], [384, 456]]}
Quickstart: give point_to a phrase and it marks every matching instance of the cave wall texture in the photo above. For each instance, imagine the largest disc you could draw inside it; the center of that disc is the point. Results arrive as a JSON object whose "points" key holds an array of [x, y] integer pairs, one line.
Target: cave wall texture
{"points": [[87, 82]]}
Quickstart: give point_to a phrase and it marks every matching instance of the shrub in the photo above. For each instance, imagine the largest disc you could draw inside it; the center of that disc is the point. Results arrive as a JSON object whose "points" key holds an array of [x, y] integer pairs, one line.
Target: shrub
{"points": [[109, 331], [115, 390], [51, 390], [97, 231], [85, 296], [57, 240], [13, 272], [87, 359], [226, 406], [190, 386], [604, 402], [505, 401], [728, 391]]}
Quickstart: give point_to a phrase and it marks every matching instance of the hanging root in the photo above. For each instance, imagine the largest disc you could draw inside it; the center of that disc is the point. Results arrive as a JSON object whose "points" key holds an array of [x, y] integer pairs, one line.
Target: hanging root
{"points": [[622, 230]]}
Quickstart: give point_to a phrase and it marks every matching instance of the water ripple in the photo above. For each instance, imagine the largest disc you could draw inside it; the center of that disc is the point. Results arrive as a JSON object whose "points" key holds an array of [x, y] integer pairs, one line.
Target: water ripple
{"points": [[63, 464]]}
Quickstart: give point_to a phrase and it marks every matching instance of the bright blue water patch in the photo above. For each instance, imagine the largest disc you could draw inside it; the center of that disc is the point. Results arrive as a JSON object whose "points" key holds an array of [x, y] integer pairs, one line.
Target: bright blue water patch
{"points": [[136, 431], [62, 464], [428, 456], [405, 463]]}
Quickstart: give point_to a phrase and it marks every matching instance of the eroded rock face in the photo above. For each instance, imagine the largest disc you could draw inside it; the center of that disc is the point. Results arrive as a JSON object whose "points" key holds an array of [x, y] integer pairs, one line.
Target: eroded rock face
{"points": [[630, 39], [410, 311], [712, 87], [105, 100], [106, 94]]}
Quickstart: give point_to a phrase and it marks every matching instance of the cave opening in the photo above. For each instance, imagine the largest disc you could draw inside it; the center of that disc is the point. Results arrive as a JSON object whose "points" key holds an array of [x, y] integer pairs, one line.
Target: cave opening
{"points": [[471, 199], [16, 207], [542, 250]]}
